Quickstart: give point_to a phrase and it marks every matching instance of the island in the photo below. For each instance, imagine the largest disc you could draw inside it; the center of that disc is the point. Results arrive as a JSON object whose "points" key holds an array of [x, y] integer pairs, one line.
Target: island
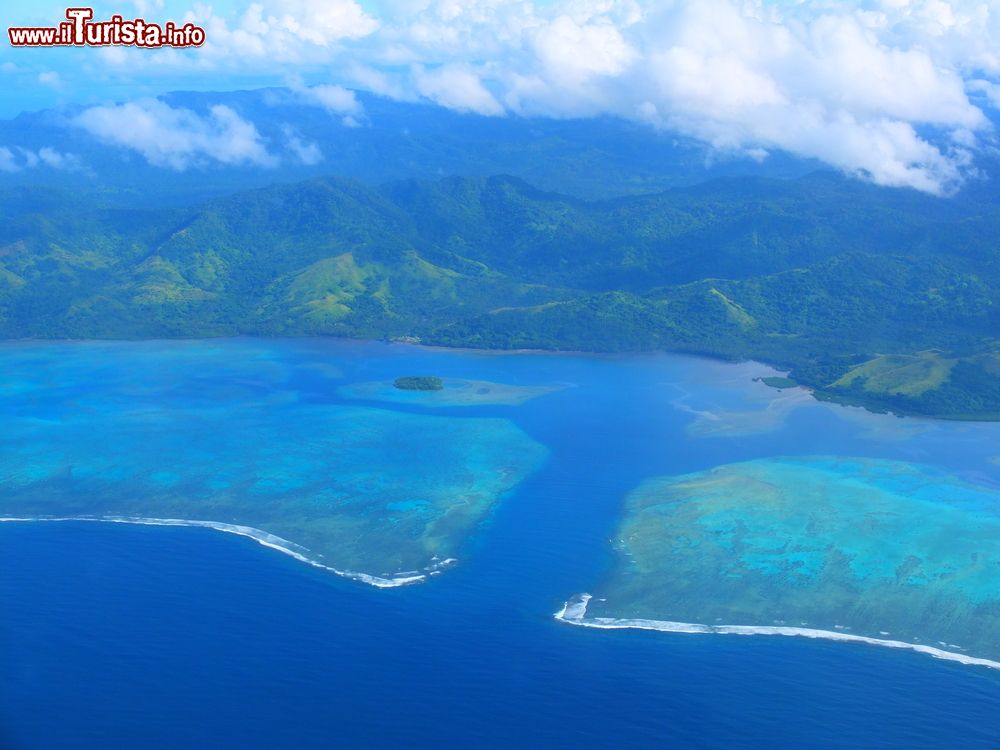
{"points": [[418, 383], [445, 392], [779, 382]]}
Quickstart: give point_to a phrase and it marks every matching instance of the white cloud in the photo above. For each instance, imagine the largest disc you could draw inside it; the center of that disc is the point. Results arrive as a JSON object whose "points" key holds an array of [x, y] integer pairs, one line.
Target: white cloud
{"points": [[988, 89], [456, 87], [22, 158], [858, 84], [280, 31], [826, 89], [176, 137], [324, 21], [559, 45], [7, 161], [851, 84], [306, 152], [377, 81], [52, 158], [335, 99]]}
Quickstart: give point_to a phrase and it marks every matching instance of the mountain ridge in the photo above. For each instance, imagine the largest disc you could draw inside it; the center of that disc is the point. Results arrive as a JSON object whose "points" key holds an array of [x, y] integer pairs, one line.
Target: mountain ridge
{"points": [[819, 275]]}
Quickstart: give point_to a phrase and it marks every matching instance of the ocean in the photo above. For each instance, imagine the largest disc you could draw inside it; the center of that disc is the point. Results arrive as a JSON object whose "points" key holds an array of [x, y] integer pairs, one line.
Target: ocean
{"points": [[125, 636]]}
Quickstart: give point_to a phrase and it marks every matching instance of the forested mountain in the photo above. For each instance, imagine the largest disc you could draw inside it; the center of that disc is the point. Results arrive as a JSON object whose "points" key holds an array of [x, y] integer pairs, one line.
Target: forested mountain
{"points": [[383, 140], [884, 297]]}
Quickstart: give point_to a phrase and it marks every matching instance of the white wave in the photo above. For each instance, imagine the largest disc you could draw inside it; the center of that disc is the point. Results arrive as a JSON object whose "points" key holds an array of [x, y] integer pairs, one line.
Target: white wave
{"points": [[263, 538], [574, 612]]}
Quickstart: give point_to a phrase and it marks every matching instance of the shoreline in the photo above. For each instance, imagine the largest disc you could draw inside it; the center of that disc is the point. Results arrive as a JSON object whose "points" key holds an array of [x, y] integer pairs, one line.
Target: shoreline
{"points": [[779, 367], [263, 538], [574, 612]]}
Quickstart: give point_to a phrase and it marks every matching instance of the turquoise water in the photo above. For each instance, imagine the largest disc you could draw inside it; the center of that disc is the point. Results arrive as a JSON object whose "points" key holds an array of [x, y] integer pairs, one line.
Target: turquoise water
{"points": [[138, 636], [225, 435]]}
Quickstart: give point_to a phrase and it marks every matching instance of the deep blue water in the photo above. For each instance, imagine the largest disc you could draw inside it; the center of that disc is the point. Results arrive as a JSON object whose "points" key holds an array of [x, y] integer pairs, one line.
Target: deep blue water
{"points": [[120, 637]]}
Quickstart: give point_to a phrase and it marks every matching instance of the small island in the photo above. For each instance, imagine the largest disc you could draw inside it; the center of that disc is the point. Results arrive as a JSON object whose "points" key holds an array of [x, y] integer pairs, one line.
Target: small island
{"points": [[419, 383], [425, 390], [781, 383]]}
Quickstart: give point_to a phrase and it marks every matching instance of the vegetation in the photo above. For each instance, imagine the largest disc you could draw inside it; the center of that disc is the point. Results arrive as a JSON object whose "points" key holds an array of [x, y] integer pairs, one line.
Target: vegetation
{"points": [[778, 382], [419, 383], [885, 298]]}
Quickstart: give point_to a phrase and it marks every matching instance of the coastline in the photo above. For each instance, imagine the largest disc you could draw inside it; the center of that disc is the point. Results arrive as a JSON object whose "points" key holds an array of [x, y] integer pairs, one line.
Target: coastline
{"points": [[263, 538], [574, 612], [873, 405]]}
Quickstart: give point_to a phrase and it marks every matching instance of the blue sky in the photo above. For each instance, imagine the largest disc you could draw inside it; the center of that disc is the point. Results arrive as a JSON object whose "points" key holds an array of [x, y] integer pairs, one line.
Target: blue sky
{"points": [[854, 84]]}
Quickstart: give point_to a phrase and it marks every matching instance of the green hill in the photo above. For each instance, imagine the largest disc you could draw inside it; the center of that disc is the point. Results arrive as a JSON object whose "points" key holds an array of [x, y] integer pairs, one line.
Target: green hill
{"points": [[886, 298]]}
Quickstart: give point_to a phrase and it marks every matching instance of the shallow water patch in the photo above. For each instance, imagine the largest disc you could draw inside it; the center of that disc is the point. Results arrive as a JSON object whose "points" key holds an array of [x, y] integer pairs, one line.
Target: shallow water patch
{"points": [[867, 547]]}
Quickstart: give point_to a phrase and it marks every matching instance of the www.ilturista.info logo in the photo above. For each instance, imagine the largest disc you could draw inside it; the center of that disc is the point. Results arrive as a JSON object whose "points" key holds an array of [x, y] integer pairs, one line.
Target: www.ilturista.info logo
{"points": [[81, 30]]}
